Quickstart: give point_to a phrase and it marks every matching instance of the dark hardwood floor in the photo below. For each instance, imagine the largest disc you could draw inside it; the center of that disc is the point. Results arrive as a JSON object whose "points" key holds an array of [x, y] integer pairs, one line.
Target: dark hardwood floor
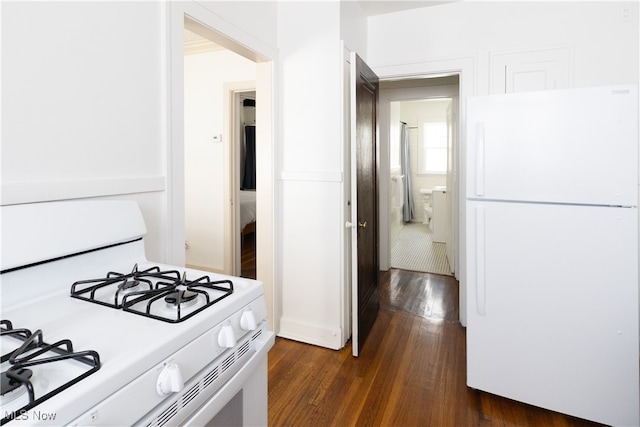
{"points": [[248, 256], [411, 371]]}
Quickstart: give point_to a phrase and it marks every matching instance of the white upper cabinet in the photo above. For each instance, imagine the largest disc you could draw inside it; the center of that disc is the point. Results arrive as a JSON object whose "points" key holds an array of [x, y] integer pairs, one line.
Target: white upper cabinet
{"points": [[530, 70]]}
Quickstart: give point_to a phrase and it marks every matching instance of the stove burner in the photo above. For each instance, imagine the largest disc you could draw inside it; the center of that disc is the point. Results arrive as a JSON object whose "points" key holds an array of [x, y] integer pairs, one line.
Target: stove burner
{"points": [[129, 284], [138, 292], [178, 295], [93, 289], [33, 351], [7, 329], [184, 298], [12, 387]]}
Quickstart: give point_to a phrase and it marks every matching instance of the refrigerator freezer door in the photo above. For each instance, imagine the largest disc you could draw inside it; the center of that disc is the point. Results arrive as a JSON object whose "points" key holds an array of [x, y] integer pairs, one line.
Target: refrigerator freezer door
{"points": [[553, 307], [569, 146]]}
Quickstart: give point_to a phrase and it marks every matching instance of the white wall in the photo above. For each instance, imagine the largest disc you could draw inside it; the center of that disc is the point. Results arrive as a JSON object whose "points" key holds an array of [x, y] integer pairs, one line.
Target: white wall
{"points": [[311, 176], [205, 76], [83, 96], [353, 27], [604, 48], [87, 92]]}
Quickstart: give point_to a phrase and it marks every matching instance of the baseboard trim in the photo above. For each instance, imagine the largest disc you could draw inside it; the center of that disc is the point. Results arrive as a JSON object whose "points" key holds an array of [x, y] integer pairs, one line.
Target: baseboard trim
{"points": [[298, 331]]}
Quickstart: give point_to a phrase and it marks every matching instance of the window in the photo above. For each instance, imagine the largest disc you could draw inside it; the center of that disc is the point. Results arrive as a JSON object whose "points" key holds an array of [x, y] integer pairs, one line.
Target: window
{"points": [[433, 148]]}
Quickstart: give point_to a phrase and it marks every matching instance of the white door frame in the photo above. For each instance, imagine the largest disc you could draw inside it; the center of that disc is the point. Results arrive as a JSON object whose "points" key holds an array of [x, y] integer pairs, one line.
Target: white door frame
{"points": [[225, 34], [466, 68], [231, 116]]}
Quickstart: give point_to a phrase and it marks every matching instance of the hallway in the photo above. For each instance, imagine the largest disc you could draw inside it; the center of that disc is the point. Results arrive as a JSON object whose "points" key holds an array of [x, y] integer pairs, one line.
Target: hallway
{"points": [[411, 371]]}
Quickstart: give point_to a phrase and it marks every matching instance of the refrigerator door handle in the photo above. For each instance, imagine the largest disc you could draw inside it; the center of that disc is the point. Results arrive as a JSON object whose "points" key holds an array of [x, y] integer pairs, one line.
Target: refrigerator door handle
{"points": [[480, 159], [481, 303]]}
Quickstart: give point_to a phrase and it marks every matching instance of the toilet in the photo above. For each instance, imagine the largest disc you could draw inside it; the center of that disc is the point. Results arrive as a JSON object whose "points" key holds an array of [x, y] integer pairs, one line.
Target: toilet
{"points": [[427, 205]]}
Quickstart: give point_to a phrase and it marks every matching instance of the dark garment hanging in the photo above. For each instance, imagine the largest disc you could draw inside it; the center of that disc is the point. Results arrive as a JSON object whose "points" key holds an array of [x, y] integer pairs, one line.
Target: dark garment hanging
{"points": [[408, 212], [249, 179]]}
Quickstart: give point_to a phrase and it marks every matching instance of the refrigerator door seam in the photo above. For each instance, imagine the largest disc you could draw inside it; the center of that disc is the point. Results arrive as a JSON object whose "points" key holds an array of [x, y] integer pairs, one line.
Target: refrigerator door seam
{"points": [[534, 202]]}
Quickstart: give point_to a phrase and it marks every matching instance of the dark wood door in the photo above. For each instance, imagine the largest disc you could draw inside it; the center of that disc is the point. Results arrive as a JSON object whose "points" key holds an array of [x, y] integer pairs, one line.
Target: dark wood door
{"points": [[364, 110]]}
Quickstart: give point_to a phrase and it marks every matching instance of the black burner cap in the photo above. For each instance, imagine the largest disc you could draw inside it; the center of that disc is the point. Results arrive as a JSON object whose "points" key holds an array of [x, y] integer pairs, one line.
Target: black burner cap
{"points": [[183, 296], [9, 384], [130, 284]]}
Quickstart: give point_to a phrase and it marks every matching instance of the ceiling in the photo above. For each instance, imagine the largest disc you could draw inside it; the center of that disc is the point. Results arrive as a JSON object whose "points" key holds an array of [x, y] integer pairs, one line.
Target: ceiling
{"points": [[193, 43], [380, 7]]}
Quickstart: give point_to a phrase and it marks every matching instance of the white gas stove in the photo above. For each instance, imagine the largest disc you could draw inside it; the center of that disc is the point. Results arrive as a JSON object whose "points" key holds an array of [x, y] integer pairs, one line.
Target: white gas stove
{"points": [[95, 334]]}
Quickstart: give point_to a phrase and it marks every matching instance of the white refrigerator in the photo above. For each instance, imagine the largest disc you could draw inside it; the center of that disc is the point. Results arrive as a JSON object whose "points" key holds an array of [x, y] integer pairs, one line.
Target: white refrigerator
{"points": [[552, 250]]}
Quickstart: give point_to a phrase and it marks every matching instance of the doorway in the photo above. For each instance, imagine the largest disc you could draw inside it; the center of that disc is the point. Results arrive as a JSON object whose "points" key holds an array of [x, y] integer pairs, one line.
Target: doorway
{"points": [[421, 115], [198, 18], [420, 136], [215, 140], [245, 158]]}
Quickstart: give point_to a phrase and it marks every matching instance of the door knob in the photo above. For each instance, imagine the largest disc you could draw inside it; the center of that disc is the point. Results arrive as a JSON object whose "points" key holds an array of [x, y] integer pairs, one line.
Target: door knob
{"points": [[362, 224]]}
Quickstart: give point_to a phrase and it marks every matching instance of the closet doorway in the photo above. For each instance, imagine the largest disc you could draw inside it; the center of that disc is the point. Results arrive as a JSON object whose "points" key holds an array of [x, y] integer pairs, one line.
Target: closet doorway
{"points": [[421, 132]]}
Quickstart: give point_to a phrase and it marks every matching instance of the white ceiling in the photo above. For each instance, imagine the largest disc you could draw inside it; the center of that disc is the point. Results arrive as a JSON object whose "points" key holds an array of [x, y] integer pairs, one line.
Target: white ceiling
{"points": [[380, 7], [194, 43], [197, 44]]}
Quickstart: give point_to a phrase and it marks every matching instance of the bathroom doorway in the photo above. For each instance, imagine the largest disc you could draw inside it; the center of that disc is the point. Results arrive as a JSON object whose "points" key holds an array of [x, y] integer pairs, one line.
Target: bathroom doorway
{"points": [[421, 134]]}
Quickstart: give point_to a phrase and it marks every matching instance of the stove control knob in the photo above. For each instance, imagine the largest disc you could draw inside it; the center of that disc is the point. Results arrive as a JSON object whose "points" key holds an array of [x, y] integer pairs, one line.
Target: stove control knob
{"points": [[248, 321], [170, 380], [226, 337]]}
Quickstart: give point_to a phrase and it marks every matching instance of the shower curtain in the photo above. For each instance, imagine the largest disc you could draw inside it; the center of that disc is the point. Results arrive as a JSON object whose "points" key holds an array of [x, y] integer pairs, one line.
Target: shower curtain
{"points": [[249, 179], [405, 163]]}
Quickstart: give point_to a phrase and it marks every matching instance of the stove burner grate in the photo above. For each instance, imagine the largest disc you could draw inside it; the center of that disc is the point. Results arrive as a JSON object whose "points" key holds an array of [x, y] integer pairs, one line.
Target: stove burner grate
{"points": [[29, 355], [124, 283], [8, 330], [178, 295], [9, 382], [140, 292]]}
